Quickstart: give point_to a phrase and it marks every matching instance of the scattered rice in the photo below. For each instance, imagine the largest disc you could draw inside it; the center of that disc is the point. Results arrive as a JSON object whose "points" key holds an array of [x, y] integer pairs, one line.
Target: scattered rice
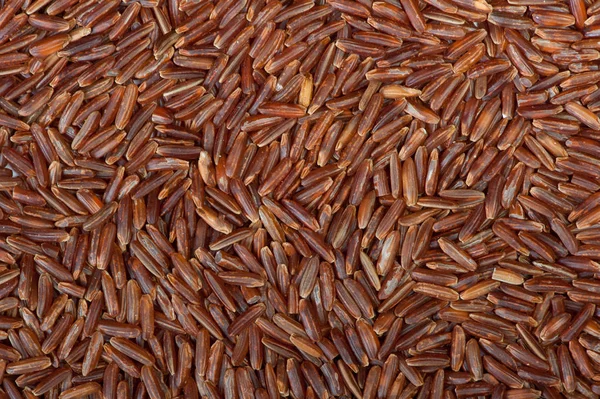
{"points": [[334, 198]]}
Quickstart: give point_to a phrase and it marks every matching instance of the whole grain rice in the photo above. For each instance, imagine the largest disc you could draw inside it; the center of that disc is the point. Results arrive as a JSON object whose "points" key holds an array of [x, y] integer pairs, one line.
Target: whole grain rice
{"points": [[315, 199]]}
